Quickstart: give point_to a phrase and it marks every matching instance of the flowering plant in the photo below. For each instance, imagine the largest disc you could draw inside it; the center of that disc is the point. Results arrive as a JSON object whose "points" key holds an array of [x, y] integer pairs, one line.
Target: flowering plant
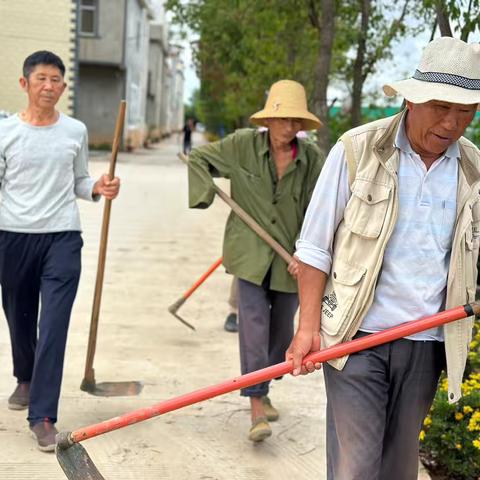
{"points": [[450, 438]]}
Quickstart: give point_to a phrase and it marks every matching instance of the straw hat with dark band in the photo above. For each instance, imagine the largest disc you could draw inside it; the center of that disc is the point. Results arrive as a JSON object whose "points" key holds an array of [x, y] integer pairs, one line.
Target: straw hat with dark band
{"points": [[287, 99], [449, 71]]}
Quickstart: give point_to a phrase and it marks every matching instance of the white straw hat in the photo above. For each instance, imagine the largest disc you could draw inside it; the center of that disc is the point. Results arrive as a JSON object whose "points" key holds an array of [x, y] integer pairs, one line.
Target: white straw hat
{"points": [[287, 99], [449, 71]]}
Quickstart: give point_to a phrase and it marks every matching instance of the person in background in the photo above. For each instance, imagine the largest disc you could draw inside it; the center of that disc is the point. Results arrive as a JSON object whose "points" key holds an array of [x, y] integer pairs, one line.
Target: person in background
{"points": [[272, 175], [231, 322], [188, 129]]}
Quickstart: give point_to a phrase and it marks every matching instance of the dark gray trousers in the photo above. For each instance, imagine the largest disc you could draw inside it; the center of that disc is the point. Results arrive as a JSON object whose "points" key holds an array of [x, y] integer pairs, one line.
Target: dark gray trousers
{"points": [[265, 323], [375, 410]]}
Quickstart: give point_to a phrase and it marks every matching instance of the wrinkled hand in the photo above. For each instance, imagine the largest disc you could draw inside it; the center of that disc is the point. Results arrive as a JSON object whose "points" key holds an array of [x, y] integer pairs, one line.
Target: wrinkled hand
{"points": [[106, 187], [302, 344], [293, 268]]}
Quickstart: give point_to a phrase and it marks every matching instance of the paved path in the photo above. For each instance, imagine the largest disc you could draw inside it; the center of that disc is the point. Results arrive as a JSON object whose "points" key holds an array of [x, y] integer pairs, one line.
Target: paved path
{"points": [[157, 247]]}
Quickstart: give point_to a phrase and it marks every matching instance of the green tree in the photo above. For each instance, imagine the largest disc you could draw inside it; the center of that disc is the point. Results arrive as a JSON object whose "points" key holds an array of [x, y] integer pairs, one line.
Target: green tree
{"points": [[246, 45], [463, 14]]}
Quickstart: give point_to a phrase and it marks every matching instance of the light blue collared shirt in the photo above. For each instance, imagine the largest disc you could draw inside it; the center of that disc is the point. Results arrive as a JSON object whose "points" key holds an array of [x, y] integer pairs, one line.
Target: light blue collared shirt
{"points": [[412, 282]]}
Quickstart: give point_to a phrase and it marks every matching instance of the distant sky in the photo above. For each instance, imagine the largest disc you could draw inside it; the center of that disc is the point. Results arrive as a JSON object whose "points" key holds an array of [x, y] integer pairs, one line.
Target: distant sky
{"points": [[192, 82]]}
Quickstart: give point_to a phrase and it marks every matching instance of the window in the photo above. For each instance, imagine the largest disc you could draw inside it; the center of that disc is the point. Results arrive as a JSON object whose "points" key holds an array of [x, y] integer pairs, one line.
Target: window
{"points": [[88, 17]]}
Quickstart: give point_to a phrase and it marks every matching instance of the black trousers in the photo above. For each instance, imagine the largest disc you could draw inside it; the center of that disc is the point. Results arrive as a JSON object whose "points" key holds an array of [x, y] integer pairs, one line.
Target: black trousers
{"points": [[265, 322], [39, 269], [375, 409]]}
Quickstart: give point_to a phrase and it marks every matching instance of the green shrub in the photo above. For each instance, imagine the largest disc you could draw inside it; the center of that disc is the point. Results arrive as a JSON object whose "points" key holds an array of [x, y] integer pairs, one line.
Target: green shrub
{"points": [[450, 439]]}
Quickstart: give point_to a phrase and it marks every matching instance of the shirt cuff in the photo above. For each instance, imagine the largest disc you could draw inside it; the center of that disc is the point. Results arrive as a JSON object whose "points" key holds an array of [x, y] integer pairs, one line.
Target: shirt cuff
{"points": [[313, 256], [84, 189]]}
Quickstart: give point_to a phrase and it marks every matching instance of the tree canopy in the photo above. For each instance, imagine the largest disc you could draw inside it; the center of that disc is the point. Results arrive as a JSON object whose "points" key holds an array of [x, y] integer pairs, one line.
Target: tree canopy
{"points": [[242, 46]]}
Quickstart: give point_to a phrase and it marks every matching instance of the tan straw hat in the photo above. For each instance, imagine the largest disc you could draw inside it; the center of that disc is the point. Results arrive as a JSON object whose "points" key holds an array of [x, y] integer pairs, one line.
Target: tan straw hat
{"points": [[449, 70], [287, 99]]}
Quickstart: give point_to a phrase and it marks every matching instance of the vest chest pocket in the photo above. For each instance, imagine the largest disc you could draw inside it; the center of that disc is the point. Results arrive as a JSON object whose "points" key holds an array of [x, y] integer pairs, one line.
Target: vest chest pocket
{"points": [[367, 207], [342, 288]]}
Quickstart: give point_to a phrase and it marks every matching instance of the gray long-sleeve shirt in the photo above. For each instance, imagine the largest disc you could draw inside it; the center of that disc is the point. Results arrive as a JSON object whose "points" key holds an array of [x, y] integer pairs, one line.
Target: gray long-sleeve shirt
{"points": [[42, 171]]}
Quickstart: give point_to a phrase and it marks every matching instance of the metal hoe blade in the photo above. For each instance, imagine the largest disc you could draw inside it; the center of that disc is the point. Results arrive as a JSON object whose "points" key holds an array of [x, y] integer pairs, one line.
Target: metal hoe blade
{"points": [[112, 389], [178, 317], [77, 464], [173, 309]]}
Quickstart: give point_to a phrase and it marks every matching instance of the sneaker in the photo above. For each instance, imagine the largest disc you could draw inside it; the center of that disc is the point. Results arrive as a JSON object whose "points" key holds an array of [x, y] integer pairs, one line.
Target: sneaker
{"points": [[19, 398], [231, 324], [270, 411], [44, 433], [260, 430]]}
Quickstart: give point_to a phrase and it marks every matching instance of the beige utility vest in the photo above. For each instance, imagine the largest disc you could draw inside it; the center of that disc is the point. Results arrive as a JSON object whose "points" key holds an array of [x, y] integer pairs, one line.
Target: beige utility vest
{"points": [[369, 219]]}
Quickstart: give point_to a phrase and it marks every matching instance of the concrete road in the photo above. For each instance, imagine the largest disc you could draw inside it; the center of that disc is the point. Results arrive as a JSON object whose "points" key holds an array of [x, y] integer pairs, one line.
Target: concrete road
{"points": [[157, 248]]}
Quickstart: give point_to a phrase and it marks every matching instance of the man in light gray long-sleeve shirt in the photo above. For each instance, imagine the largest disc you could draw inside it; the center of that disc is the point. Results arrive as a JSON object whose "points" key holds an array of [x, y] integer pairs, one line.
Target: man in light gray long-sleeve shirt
{"points": [[43, 169]]}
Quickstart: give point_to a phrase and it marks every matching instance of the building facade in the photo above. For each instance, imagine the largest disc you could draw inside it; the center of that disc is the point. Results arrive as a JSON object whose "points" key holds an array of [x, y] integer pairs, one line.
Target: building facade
{"points": [[112, 50], [30, 25], [113, 39]]}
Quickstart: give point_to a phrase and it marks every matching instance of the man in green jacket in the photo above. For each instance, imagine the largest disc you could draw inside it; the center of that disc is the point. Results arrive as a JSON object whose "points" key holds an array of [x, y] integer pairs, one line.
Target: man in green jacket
{"points": [[272, 176]]}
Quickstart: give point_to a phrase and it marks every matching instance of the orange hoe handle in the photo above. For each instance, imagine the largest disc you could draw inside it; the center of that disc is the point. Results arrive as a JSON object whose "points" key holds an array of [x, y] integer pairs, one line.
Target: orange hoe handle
{"points": [[173, 308], [67, 439], [212, 268]]}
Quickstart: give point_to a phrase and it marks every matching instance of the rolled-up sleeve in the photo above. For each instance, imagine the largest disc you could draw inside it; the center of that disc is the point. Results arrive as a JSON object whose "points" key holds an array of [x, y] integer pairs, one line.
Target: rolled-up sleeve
{"points": [[325, 211]]}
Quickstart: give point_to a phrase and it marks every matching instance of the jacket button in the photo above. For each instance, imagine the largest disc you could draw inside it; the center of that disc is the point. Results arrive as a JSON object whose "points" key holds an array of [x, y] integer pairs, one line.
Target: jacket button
{"points": [[369, 197], [274, 202], [451, 396], [273, 220], [334, 274]]}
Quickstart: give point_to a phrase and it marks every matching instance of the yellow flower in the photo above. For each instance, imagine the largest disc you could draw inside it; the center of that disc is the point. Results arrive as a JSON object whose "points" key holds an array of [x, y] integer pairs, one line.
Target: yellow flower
{"points": [[427, 421], [467, 409], [422, 436], [458, 416], [474, 423], [458, 446], [444, 385], [476, 443], [471, 384]]}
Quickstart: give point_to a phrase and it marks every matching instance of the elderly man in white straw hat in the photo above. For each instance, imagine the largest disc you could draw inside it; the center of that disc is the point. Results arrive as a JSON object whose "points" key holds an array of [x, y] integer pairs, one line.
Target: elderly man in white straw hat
{"points": [[391, 235], [272, 176]]}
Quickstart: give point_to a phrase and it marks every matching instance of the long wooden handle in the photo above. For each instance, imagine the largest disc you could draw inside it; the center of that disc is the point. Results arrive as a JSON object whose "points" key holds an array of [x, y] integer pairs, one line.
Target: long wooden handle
{"points": [[102, 254], [253, 225], [248, 220], [346, 348]]}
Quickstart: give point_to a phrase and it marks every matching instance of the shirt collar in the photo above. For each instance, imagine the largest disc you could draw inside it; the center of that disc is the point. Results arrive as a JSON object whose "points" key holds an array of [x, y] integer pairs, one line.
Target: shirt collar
{"points": [[402, 142], [265, 147]]}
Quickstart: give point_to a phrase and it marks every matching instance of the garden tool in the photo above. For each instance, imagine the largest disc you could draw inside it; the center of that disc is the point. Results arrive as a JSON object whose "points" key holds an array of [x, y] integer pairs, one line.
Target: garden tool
{"points": [[173, 309], [105, 389], [251, 223], [77, 464]]}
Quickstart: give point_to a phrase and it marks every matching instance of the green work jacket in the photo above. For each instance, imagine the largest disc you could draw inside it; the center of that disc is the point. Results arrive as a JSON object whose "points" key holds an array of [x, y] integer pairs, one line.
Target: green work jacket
{"points": [[277, 205]]}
